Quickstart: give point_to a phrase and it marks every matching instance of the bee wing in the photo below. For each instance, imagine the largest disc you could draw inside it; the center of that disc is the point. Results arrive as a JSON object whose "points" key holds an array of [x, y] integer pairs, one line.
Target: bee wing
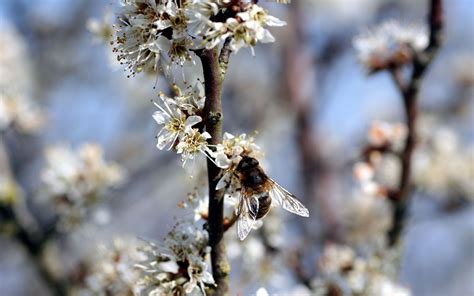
{"points": [[287, 200], [247, 216]]}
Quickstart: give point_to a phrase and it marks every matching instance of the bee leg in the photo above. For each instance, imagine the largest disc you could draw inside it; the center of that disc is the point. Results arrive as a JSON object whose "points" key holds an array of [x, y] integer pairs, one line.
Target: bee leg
{"points": [[226, 188]]}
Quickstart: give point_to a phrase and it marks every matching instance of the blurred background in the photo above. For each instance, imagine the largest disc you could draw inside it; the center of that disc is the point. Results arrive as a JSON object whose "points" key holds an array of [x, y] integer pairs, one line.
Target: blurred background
{"points": [[312, 104]]}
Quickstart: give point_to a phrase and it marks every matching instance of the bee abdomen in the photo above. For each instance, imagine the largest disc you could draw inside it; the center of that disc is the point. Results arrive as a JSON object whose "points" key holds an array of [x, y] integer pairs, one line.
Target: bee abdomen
{"points": [[264, 203]]}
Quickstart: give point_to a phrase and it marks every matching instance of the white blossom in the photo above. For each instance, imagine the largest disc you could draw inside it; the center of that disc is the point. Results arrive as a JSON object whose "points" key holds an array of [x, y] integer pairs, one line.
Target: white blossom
{"points": [[230, 152], [262, 292], [110, 269], [367, 218], [152, 35], [180, 266], [102, 29], [199, 206], [176, 123], [178, 116], [193, 143], [343, 270], [390, 44], [139, 37], [380, 167], [16, 84], [77, 180], [443, 165], [246, 29], [384, 133]]}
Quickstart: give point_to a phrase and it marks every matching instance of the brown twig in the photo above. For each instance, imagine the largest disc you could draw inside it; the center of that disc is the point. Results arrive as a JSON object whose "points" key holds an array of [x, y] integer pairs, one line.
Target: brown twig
{"points": [[34, 242], [213, 117], [410, 92], [224, 57]]}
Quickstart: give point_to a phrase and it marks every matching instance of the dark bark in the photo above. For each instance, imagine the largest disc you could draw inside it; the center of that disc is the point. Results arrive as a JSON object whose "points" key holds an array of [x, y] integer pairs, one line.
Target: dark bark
{"points": [[410, 92], [213, 118]]}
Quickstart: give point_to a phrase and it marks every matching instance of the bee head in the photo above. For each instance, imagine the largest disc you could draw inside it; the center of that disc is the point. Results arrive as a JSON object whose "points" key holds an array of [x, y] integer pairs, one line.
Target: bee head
{"points": [[247, 163]]}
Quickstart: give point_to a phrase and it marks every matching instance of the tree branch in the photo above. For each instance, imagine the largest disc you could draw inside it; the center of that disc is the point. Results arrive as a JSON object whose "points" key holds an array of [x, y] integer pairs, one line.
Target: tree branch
{"points": [[213, 118], [34, 242], [410, 99], [34, 245], [224, 57]]}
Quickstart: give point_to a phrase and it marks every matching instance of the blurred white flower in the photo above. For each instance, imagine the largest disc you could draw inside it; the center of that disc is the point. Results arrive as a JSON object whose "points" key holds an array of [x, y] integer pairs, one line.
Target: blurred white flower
{"points": [[380, 169], [442, 165], [180, 267], [389, 45], [77, 180], [343, 271], [365, 174], [367, 218], [262, 292], [363, 171], [336, 258], [385, 133], [110, 270], [102, 29], [16, 84]]}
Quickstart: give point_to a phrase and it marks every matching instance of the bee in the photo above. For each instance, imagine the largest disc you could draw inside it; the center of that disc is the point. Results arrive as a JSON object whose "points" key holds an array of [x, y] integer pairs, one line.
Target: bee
{"points": [[258, 193]]}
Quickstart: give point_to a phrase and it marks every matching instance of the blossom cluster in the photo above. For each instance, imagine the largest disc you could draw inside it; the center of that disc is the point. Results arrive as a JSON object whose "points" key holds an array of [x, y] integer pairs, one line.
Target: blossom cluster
{"points": [[376, 175], [385, 141], [16, 84], [178, 117], [77, 180], [102, 29], [152, 35], [366, 219], [110, 270], [345, 273], [180, 267], [443, 165], [259, 258], [198, 206], [390, 45]]}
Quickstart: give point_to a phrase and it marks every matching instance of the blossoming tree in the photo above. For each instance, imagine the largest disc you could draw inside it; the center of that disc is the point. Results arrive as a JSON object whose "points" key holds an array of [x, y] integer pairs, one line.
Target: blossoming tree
{"points": [[190, 44]]}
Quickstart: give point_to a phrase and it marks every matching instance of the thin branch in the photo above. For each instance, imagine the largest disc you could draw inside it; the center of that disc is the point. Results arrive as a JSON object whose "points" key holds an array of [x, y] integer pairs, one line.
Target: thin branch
{"points": [[398, 78], [410, 99], [34, 242], [213, 118], [34, 245], [224, 57]]}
